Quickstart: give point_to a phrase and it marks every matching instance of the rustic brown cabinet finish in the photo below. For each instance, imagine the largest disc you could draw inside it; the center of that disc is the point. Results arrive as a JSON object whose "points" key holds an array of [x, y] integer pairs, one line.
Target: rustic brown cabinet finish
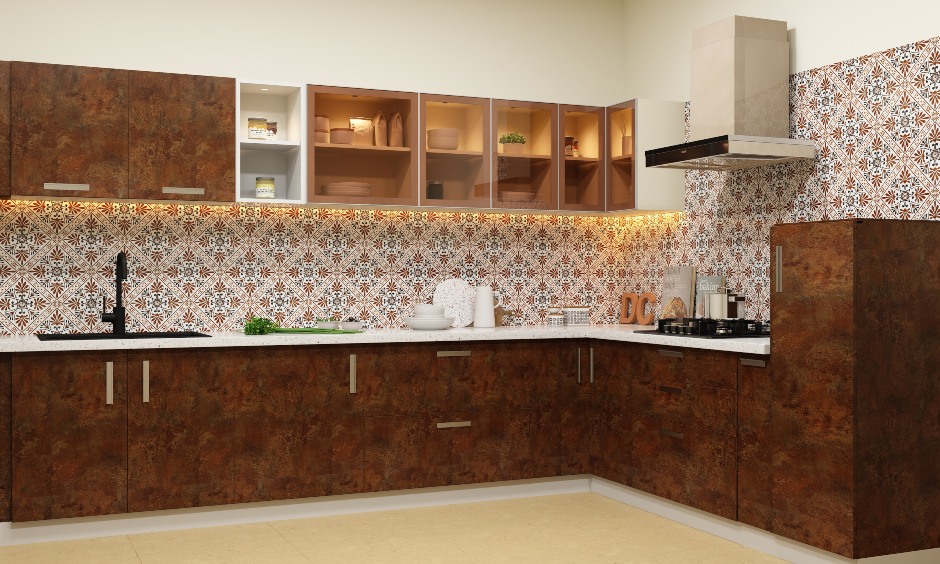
{"points": [[163, 432], [69, 445], [264, 433], [6, 437], [563, 407], [755, 442], [5, 128], [856, 396], [611, 419], [71, 128], [181, 135]]}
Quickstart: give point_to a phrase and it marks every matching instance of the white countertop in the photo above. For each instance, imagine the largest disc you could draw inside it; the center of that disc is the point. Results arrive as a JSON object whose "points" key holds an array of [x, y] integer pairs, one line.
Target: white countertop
{"points": [[627, 333]]}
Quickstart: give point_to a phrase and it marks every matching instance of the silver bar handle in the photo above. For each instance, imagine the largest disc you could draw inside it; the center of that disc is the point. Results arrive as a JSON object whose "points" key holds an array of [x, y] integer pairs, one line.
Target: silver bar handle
{"points": [[579, 365], [591, 351], [753, 362], [672, 354], [184, 191], [62, 187], [672, 434], [441, 354], [453, 424], [146, 383], [109, 383], [778, 274], [352, 374]]}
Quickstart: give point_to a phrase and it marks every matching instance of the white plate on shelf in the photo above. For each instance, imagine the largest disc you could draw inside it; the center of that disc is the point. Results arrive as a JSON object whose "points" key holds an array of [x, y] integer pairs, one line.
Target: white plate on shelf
{"points": [[429, 323], [514, 196], [347, 189], [457, 297]]}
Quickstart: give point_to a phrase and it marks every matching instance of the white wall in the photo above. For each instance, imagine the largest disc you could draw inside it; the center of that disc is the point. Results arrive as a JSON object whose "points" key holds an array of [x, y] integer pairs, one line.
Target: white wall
{"points": [[540, 50], [659, 34]]}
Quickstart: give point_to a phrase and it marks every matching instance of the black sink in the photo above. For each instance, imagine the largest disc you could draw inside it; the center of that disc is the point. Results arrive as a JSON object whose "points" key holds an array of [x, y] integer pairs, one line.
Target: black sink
{"points": [[95, 336]]}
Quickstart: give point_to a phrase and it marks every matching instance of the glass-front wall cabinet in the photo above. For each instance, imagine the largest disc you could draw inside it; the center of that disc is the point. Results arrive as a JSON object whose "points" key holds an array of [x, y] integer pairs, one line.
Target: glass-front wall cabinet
{"points": [[455, 142], [525, 138], [582, 152]]}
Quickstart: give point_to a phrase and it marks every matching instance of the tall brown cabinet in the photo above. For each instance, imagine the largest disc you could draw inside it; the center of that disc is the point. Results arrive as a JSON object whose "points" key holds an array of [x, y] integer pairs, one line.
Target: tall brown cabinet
{"points": [[856, 416]]}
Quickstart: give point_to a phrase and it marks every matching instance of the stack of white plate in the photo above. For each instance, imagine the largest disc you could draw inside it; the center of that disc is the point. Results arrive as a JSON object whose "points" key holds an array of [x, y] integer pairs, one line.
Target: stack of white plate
{"points": [[347, 189], [516, 196], [429, 318]]}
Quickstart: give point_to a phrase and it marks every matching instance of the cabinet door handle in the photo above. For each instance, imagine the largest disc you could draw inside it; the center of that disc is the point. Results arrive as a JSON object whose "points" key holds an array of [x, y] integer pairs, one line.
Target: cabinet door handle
{"points": [[579, 365], [591, 372], [146, 383], [109, 383], [671, 354], [453, 424], [61, 187], [753, 362], [670, 390], [352, 374], [672, 434], [183, 191], [778, 274], [441, 354]]}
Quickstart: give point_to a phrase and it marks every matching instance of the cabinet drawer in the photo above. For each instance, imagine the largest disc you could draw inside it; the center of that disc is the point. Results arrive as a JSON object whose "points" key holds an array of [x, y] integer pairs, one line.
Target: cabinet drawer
{"points": [[692, 366], [702, 407], [685, 464]]}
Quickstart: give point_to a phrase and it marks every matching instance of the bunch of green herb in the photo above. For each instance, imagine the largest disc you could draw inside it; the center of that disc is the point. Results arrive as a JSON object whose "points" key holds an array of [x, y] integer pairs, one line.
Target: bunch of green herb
{"points": [[260, 326], [512, 138]]}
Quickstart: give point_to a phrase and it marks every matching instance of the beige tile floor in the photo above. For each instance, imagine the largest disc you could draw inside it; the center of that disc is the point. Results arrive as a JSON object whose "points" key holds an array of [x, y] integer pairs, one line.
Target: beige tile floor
{"points": [[579, 528]]}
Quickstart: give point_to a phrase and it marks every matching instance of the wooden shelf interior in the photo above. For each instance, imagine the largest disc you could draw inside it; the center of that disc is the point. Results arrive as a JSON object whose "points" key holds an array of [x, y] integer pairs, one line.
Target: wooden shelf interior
{"points": [[467, 118], [387, 169], [464, 171], [535, 124], [582, 176], [622, 180], [278, 103], [284, 166]]}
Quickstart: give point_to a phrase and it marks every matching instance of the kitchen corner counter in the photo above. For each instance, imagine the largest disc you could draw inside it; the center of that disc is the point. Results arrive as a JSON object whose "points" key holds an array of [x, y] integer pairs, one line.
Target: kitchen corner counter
{"points": [[625, 333]]}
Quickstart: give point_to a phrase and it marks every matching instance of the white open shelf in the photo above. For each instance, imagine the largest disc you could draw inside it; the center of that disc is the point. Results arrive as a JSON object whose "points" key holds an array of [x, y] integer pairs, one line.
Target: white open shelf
{"points": [[282, 158]]}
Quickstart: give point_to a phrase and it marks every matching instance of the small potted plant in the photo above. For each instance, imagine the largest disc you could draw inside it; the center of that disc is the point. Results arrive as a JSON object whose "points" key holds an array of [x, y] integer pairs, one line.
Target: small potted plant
{"points": [[512, 143]]}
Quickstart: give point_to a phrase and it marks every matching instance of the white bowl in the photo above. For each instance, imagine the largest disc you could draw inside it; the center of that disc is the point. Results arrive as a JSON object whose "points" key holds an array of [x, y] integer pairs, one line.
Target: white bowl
{"points": [[327, 324], [448, 143], [444, 132], [351, 325], [428, 310], [429, 323]]}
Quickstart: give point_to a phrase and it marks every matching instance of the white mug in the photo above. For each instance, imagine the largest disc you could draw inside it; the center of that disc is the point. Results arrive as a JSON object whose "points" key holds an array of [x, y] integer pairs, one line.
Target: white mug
{"points": [[484, 304]]}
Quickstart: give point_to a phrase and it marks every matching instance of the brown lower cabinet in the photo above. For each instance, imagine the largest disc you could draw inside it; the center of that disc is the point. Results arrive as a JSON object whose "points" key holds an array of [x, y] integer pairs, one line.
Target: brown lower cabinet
{"points": [[6, 438]]}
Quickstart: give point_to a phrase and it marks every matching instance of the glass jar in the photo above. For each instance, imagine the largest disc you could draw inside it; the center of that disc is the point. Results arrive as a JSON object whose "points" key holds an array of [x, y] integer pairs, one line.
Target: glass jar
{"points": [[264, 187], [271, 130], [257, 128]]}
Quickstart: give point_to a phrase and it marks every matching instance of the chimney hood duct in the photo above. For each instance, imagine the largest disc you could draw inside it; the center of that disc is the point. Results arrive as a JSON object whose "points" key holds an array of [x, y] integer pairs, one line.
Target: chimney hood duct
{"points": [[740, 100]]}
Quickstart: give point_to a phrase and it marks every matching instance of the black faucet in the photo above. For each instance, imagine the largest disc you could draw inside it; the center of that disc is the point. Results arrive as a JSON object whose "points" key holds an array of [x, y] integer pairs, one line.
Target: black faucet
{"points": [[117, 316]]}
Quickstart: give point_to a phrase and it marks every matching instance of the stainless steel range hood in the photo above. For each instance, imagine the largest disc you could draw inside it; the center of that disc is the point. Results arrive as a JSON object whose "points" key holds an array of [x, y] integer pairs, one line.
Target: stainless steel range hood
{"points": [[731, 152], [740, 100]]}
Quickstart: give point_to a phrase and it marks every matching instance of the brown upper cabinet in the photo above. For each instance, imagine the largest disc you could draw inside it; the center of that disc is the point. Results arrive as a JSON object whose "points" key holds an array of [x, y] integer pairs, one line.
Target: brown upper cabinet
{"points": [[633, 127], [455, 139], [4, 128], [582, 149], [181, 137], [70, 137], [378, 162], [525, 174]]}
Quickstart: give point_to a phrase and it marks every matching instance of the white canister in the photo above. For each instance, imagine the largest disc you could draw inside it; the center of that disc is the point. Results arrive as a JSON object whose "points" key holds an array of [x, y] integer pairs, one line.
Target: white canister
{"points": [[717, 304], [264, 187], [483, 306]]}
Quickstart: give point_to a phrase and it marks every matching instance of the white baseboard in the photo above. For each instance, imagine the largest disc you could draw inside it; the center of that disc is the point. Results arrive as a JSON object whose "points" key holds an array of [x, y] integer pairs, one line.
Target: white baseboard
{"points": [[746, 535], [176, 519]]}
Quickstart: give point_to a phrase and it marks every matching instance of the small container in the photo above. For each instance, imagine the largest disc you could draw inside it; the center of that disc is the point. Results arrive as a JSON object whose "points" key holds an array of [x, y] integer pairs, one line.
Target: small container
{"points": [[321, 122], [577, 315], [569, 146], [322, 136], [257, 128], [555, 320], [271, 130], [362, 130], [264, 187], [341, 135], [327, 324], [435, 190], [351, 325]]}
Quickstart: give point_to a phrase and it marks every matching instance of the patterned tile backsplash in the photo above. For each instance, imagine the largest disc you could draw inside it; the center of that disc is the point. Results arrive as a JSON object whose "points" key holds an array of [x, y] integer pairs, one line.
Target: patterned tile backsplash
{"points": [[875, 120]]}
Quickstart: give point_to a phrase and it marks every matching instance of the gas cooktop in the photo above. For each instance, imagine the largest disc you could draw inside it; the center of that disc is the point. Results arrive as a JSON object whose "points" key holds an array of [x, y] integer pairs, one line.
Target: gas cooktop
{"points": [[712, 328]]}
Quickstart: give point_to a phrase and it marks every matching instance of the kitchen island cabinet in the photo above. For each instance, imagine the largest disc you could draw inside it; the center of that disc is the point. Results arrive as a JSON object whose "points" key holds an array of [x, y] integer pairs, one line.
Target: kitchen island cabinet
{"points": [[181, 137], [71, 133]]}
